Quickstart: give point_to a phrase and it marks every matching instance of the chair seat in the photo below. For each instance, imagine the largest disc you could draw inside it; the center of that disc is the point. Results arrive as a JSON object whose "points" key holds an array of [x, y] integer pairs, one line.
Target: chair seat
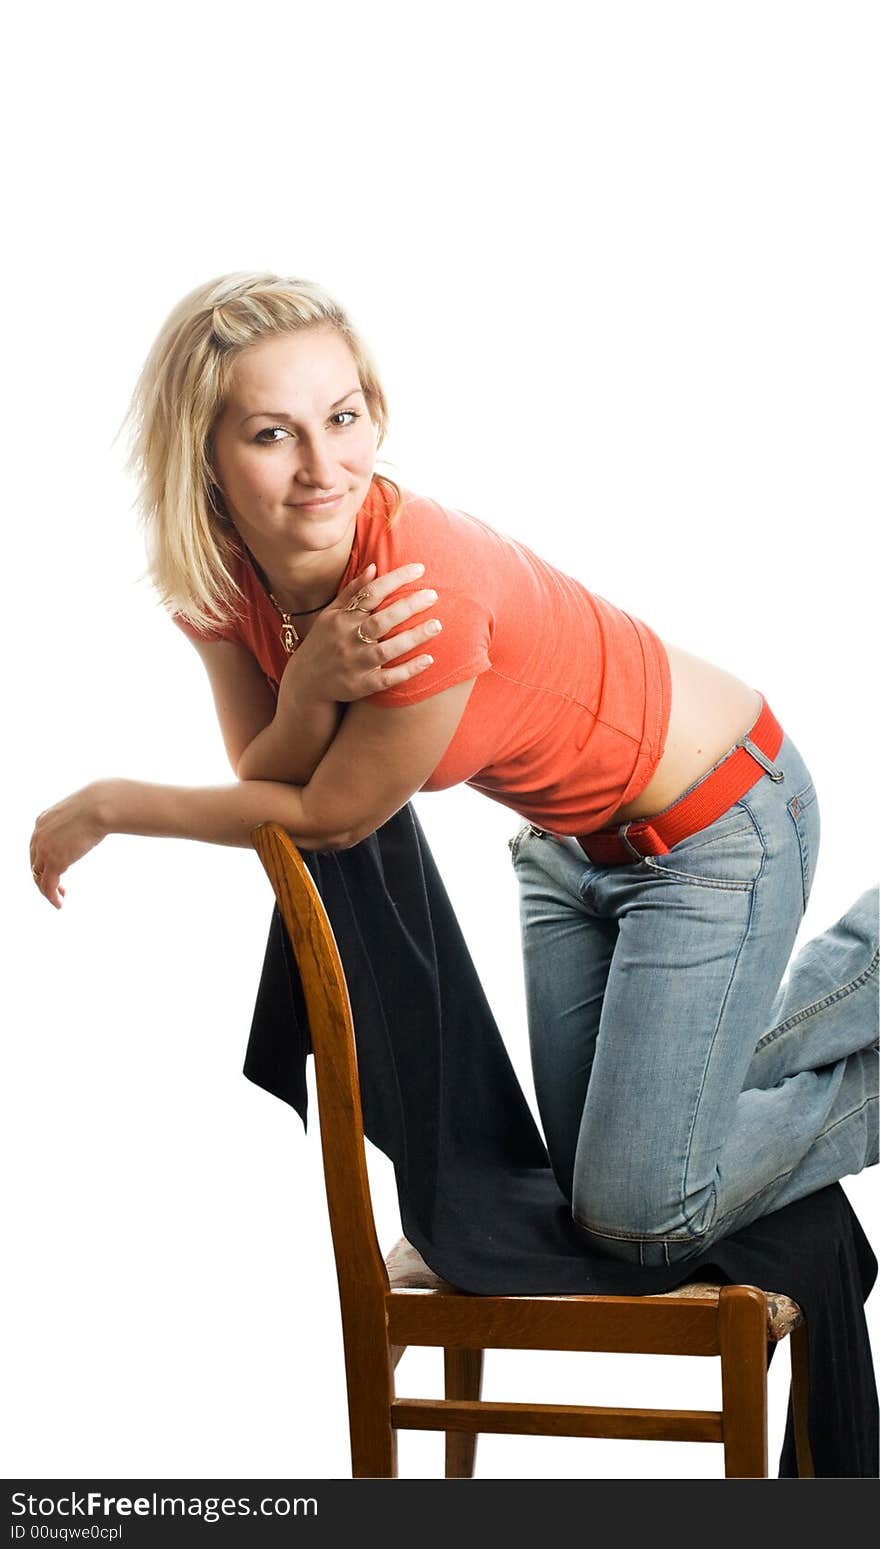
{"points": [[407, 1271]]}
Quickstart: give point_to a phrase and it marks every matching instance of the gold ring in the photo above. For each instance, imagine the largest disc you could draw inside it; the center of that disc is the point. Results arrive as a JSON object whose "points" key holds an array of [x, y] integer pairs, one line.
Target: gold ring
{"points": [[361, 636], [37, 874], [355, 605]]}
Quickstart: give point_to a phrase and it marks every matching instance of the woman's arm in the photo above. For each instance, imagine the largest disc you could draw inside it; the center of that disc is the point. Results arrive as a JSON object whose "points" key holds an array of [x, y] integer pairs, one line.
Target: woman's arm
{"points": [[378, 760], [268, 734], [333, 667], [291, 747], [283, 734]]}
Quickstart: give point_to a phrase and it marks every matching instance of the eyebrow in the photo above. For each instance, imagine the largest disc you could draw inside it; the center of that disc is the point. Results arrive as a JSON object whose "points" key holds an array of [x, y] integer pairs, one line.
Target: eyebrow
{"points": [[279, 414]]}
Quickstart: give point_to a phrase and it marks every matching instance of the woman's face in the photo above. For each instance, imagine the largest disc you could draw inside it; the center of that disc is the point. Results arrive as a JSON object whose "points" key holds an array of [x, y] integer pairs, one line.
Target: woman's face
{"points": [[294, 431]]}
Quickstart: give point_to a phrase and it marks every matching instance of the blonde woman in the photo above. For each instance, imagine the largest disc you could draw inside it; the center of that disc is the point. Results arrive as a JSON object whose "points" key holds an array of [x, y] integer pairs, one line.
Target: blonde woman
{"points": [[670, 827]]}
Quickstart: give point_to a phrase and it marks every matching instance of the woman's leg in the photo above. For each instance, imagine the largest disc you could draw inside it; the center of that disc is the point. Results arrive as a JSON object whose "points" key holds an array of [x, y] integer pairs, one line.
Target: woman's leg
{"points": [[806, 1027], [567, 953], [680, 1142]]}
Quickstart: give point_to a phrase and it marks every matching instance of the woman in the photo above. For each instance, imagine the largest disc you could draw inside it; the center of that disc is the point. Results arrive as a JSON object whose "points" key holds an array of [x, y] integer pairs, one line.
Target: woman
{"points": [[671, 826]]}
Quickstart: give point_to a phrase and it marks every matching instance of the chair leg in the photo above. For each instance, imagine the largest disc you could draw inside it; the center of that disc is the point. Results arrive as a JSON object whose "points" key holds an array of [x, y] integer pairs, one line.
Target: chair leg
{"points": [[742, 1327], [799, 1349], [369, 1376], [463, 1373]]}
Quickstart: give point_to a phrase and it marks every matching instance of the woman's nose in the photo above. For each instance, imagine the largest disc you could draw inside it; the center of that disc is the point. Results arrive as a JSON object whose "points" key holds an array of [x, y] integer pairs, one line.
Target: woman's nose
{"points": [[316, 465]]}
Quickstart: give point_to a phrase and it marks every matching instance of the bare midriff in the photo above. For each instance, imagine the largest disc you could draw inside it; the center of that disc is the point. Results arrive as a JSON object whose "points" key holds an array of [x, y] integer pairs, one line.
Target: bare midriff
{"points": [[710, 711]]}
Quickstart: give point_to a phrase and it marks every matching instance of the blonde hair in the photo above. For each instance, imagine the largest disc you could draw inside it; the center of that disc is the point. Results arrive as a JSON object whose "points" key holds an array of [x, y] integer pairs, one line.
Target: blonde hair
{"points": [[178, 397]]}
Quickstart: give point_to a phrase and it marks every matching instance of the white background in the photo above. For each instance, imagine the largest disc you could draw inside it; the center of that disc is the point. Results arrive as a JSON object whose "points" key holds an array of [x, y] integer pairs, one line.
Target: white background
{"points": [[618, 264]]}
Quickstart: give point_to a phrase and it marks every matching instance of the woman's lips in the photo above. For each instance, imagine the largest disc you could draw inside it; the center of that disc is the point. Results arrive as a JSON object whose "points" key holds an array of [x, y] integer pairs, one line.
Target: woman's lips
{"points": [[326, 500]]}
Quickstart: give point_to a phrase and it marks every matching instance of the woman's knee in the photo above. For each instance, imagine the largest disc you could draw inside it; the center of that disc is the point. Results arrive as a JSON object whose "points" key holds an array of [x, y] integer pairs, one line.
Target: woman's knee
{"points": [[647, 1252], [636, 1217]]}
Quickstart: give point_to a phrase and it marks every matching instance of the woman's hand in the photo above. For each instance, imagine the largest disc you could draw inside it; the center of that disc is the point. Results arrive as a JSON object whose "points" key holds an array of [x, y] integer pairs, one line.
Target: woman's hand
{"points": [[63, 834], [335, 665]]}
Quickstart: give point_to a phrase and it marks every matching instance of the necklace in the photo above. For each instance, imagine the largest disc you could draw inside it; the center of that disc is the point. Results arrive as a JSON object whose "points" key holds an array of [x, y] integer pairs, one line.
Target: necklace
{"points": [[288, 635]]}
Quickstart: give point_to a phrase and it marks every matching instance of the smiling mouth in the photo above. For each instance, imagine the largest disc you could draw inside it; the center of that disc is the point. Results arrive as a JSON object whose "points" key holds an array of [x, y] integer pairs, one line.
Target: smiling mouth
{"points": [[323, 500]]}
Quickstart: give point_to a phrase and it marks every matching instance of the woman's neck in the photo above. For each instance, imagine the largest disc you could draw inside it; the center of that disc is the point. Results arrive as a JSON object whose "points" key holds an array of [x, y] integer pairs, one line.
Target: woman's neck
{"points": [[300, 582]]}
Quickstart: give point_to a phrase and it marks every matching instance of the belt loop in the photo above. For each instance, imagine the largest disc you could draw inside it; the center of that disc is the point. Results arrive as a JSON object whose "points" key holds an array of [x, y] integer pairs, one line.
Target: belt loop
{"points": [[776, 774], [622, 833]]}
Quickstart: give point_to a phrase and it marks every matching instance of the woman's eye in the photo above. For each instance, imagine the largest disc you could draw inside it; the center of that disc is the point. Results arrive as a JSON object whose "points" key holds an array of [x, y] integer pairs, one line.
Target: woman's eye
{"points": [[267, 436]]}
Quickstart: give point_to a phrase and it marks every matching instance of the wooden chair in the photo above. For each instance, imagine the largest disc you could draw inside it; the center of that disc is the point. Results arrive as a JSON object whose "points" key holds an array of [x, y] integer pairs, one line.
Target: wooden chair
{"points": [[390, 1303]]}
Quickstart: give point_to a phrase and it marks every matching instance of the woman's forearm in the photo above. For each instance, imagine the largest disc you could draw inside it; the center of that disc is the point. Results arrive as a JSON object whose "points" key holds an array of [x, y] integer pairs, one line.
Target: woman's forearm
{"points": [[216, 814], [291, 747]]}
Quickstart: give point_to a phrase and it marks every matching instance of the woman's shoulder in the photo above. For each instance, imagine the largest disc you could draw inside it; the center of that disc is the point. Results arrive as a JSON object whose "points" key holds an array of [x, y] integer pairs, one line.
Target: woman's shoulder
{"points": [[432, 512], [452, 541]]}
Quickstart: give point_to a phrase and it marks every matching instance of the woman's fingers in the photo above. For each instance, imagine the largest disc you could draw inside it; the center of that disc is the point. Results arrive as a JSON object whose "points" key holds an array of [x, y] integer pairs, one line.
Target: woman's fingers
{"points": [[353, 587], [407, 640], [390, 677], [397, 612], [379, 587], [49, 885], [375, 622]]}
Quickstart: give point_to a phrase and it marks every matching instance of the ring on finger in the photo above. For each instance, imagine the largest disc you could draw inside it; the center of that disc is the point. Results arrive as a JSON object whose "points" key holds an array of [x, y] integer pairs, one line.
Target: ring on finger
{"points": [[355, 605], [367, 639]]}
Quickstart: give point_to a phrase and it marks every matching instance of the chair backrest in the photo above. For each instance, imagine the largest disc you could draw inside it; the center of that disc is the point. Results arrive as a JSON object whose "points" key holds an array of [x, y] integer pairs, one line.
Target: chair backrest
{"points": [[359, 1260]]}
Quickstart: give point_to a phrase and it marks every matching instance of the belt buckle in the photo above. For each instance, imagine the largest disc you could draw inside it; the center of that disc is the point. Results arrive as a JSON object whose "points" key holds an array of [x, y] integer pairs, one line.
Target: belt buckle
{"points": [[654, 845]]}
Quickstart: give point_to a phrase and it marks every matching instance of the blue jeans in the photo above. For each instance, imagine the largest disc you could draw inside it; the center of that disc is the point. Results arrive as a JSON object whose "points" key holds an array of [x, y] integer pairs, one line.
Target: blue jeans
{"points": [[684, 1087]]}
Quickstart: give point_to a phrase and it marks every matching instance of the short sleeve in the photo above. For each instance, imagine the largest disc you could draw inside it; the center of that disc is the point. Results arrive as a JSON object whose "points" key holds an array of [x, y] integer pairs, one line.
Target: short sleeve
{"points": [[229, 632], [460, 651]]}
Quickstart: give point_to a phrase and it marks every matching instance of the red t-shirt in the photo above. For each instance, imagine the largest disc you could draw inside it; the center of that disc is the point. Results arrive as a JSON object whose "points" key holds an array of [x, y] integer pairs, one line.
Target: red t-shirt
{"points": [[568, 716]]}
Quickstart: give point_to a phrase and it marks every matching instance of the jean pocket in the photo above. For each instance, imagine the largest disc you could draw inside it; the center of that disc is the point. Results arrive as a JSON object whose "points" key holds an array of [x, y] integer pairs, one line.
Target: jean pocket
{"points": [[728, 853], [804, 812]]}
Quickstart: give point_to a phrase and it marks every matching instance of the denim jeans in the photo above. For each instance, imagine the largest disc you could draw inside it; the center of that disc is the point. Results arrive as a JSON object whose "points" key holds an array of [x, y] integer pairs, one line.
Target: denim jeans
{"points": [[686, 1087]]}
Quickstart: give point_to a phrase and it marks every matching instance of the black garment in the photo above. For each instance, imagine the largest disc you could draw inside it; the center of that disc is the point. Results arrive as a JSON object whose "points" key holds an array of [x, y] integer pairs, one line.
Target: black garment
{"points": [[478, 1197]]}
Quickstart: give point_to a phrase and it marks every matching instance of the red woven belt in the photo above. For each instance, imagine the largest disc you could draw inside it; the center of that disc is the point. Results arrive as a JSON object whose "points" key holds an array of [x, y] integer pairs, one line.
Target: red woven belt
{"points": [[711, 797]]}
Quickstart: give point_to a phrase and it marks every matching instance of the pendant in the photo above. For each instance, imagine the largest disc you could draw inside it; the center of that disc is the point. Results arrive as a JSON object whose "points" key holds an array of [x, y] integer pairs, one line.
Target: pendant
{"points": [[289, 637]]}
